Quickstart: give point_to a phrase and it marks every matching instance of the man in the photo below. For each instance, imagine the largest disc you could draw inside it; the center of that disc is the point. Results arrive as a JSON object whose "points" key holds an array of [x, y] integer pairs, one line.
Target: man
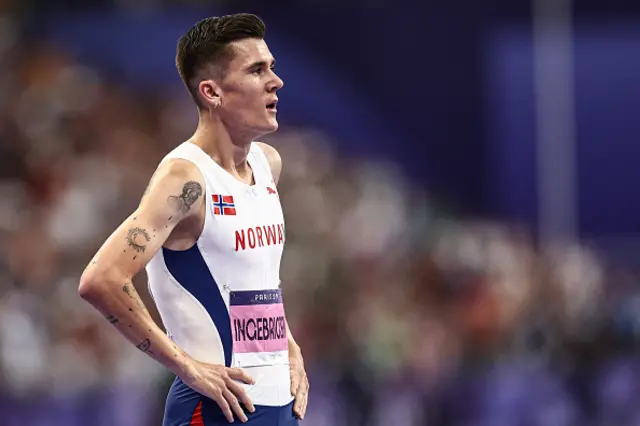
{"points": [[210, 231]]}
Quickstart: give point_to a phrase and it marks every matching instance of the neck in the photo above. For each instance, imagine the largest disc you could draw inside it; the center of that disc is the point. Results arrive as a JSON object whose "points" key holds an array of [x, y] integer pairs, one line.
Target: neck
{"points": [[227, 149]]}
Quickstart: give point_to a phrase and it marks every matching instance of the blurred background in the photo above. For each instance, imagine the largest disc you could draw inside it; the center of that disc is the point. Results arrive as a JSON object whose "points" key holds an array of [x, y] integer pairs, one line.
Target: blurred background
{"points": [[459, 188]]}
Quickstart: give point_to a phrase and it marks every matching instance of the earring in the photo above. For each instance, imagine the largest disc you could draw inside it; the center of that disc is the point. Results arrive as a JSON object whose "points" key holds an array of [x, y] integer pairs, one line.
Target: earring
{"points": [[216, 102]]}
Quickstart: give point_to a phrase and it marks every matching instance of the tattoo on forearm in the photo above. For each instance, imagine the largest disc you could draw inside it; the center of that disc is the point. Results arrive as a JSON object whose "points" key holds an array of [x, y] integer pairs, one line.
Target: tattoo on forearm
{"points": [[191, 191], [112, 319], [137, 239], [144, 346], [133, 294]]}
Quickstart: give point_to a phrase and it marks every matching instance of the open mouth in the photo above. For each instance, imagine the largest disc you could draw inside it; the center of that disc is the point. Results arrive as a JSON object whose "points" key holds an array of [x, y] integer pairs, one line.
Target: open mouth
{"points": [[272, 106]]}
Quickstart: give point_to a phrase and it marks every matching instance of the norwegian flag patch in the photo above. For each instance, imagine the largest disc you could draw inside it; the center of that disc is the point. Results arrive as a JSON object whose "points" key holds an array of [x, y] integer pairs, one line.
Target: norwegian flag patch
{"points": [[223, 205]]}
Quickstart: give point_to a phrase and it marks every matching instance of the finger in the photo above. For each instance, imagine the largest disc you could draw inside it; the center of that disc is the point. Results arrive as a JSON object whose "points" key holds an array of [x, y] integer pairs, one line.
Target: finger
{"points": [[224, 406], [239, 392], [304, 406], [300, 405], [295, 381], [235, 406], [239, 374]]}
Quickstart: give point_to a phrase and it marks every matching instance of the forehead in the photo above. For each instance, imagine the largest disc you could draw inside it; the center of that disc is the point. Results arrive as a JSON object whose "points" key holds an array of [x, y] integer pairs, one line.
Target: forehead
{"points": [[249, 51]]}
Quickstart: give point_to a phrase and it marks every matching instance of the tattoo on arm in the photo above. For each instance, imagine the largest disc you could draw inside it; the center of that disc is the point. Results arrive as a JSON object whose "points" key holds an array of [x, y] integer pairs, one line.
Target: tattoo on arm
{"points": [[112, 319], [132, 293], [137, 239], [144, 346], [191, 191]]}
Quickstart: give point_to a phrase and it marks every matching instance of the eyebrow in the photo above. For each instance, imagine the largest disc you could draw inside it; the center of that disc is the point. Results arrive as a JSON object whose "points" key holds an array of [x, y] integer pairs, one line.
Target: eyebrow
{"points": [[260, 64]]}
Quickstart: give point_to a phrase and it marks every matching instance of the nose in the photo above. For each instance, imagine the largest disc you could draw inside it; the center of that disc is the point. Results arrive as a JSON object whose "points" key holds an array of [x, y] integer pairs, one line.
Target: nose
{"points": [[276, 84]]}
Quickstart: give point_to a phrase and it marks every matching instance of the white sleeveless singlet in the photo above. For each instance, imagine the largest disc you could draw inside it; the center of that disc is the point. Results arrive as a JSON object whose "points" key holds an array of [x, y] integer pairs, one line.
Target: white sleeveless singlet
{"points": [[220, 300]]}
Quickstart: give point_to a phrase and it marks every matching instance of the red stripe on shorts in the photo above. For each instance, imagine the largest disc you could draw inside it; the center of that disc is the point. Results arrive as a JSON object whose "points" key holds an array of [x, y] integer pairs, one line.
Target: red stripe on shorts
{"points": [[196, 418]]}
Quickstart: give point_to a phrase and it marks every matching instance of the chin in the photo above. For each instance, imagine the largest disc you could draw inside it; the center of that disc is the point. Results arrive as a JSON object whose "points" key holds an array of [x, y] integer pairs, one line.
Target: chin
{"points": [[271, 126], [264, 127]]}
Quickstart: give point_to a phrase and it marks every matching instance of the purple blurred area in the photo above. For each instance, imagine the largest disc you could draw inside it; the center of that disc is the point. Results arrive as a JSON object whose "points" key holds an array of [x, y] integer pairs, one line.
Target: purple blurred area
{"points": [[415, 277]]}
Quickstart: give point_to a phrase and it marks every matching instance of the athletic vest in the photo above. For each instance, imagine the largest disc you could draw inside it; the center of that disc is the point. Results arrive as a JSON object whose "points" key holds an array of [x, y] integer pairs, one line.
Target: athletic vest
{"points": [[220, 300]]}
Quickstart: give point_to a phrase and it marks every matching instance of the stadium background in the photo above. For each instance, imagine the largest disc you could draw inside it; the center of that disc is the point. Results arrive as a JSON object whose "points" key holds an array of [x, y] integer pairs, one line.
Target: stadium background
{"points": [[459, 186]]}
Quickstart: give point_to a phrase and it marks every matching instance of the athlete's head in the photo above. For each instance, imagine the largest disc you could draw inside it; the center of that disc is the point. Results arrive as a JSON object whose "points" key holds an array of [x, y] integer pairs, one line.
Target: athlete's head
{"points": [[229, 70]]}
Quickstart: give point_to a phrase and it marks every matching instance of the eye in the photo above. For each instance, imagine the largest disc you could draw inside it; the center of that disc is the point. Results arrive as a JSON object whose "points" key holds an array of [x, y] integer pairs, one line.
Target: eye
{"points": [[256, 71]]}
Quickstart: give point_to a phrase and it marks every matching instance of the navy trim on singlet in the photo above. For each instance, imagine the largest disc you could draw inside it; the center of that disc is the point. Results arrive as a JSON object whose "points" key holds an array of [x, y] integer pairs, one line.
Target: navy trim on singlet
{"points": [[191, 271]]}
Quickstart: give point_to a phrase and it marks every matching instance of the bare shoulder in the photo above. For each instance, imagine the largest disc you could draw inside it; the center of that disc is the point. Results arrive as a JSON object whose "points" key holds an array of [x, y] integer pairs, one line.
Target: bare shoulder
{"points": [[178, 182], [174, 194], [177, 169], [275, 161]]}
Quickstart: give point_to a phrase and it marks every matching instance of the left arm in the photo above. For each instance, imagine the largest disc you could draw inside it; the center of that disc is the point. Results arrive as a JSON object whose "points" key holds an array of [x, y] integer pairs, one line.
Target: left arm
{"points": [[294, 348], [275, 162], [299, 380]]}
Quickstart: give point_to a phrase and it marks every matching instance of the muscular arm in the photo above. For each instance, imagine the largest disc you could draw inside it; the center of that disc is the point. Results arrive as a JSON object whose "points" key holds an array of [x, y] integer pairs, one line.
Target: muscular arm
{"points": [[275, 162], [174, 194], [299, 379]]}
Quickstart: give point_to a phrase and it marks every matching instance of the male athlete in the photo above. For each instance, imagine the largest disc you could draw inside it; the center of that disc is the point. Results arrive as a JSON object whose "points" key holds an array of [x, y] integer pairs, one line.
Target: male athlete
{"points": [[210, 232]]}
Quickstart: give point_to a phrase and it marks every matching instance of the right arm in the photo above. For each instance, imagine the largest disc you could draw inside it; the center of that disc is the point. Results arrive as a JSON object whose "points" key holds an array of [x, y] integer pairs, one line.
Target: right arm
{"points": [[174, 194]]}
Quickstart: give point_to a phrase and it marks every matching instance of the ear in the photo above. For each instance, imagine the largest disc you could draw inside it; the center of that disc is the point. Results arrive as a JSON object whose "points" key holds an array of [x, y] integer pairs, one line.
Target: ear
{"points": [[210, 93]]}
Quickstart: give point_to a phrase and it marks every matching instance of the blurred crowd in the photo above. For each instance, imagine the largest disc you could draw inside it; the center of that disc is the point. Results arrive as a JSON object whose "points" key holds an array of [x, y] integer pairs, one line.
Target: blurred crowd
{"points": [[407, 314]]}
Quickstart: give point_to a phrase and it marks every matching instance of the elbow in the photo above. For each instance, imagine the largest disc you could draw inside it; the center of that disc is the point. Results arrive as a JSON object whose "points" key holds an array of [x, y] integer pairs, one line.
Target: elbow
{"points": [[92, 285], [88, 286]]}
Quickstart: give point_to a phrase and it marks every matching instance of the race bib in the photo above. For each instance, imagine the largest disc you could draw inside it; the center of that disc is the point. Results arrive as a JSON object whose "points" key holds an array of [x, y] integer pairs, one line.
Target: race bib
{"points": [[258, 327]]}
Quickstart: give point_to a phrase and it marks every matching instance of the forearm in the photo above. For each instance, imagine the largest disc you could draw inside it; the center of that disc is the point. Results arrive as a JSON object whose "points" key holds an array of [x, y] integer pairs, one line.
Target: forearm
{"points": [[292, 343], [121, 305]]}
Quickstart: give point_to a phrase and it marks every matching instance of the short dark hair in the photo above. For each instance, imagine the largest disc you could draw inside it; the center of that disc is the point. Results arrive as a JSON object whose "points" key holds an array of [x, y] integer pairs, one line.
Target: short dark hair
{"points": [[207, 43]]}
